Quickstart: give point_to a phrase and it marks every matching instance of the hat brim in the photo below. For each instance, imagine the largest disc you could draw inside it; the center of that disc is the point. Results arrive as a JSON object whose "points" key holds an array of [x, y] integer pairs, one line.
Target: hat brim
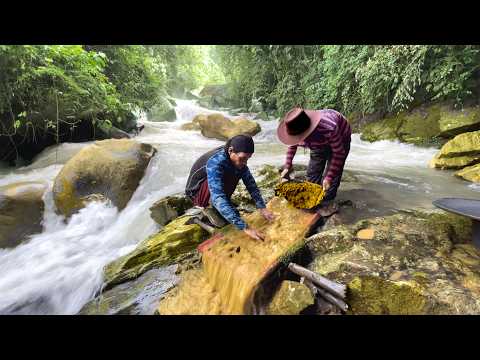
{"points": [[288, 139]]}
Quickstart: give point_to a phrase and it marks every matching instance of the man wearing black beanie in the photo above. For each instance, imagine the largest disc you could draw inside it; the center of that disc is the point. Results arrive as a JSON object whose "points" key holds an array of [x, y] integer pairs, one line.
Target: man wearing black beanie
{"points": [[215, 176]]}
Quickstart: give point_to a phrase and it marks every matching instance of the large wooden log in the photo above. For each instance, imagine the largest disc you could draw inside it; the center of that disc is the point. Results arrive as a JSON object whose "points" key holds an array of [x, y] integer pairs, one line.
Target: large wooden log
{"points": [[339, 290]]}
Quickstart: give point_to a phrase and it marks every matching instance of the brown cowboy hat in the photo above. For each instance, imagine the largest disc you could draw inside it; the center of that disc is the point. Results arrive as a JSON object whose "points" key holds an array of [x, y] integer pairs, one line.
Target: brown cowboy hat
{"points": [[297, 125]]}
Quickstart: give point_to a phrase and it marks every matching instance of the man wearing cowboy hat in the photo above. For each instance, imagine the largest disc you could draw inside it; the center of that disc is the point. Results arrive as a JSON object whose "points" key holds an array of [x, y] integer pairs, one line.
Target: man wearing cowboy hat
{"points": [[327, 134]]}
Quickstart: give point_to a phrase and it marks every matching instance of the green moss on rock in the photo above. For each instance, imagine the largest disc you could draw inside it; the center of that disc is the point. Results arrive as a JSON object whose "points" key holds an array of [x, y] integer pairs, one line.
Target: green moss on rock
{"points": [[376, 296], [167, 247]]}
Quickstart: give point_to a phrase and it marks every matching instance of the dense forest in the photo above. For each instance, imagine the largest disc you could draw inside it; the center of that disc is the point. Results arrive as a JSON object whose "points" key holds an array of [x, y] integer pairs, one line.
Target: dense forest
{"points": [[55, 93]]}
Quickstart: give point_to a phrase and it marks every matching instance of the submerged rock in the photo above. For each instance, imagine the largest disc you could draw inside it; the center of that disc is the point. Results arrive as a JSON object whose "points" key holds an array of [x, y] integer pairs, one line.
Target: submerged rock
{"points": [[169, 208], [411, 263], [290, 299], [21, 211], [110, 168], [169, 246], [136, 297]]}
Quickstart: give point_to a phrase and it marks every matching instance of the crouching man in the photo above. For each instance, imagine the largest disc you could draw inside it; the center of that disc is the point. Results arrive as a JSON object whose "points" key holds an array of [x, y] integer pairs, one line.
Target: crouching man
{"points": [[215, 176]]}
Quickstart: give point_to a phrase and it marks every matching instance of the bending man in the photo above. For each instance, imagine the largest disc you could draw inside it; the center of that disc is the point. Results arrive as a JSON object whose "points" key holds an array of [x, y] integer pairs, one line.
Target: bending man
{"points": [[215, 176]]}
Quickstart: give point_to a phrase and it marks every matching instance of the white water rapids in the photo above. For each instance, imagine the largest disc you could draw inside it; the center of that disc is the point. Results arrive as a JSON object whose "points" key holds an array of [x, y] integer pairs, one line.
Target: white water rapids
{"points": [[59, 270]]}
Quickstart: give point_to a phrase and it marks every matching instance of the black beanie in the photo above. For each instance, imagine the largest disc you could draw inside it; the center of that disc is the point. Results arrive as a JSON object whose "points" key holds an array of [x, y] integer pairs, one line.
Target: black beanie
{"points": [[241, 143]]}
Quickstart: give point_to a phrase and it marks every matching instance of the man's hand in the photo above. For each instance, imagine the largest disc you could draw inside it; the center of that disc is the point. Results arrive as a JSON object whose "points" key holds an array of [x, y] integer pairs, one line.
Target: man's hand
{"points": [[257, 235], [267, 214], [326, 184]]}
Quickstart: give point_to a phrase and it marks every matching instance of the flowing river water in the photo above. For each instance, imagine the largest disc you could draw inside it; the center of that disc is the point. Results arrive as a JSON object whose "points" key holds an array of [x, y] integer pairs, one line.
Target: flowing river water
{"points": [[59, 270]]}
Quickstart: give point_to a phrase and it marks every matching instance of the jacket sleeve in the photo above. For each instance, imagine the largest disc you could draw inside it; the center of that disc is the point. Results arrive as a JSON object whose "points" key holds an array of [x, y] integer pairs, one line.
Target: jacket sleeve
{"points": [[339, 155], [291, 151], [252, 188], [218, 197]]}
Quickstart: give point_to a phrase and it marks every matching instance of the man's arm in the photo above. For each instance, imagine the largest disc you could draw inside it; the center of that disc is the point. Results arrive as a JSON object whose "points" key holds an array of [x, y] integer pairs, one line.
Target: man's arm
{"points": [[292, 150], [252, 188], [338, 155], [218, 197]]}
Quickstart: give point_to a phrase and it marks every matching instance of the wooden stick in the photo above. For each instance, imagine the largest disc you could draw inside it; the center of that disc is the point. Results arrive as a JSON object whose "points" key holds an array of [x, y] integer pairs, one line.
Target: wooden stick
{"points": [[333, 300], [336, 289], [204, 226], [324, 295]]}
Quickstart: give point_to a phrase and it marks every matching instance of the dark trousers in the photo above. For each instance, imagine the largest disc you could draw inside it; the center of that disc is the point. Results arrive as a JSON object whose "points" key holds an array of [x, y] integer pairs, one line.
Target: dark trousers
{"points": [[316, 170]]}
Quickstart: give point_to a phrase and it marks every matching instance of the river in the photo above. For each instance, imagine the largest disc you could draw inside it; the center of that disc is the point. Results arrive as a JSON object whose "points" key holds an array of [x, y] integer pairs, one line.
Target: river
{"points": [[59, 270]]}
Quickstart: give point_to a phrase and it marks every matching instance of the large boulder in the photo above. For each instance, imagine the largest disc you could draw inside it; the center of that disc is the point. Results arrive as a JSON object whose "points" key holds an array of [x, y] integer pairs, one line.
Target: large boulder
{"points": [[219, 127], [163, 111], [169, 208], [21, 211], [385, 129], [471, 173], [108, 169], [424, 125], [409, 263], [467, 144], [290, 299], [217, 96], [454, 122], [171, 245], [462, 151], [457, 162]]}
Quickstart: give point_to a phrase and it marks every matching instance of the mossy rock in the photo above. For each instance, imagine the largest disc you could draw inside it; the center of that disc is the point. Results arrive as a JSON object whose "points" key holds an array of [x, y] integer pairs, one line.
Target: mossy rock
{"points": [[471, 173], [163, 111], [458, 162], [416, 262], [136, 297], [165, 210], [110, 168], [428, 125], [420, 127], [21, 212], [266, 177], [219, 127], [466, 144], [375, 296], [167, 247], [454, 122], [290, 299], [385, 129]]}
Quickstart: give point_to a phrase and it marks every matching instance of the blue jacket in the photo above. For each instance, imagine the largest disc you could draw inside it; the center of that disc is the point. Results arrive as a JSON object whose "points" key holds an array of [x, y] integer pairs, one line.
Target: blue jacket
{"points": [[218, 165]]}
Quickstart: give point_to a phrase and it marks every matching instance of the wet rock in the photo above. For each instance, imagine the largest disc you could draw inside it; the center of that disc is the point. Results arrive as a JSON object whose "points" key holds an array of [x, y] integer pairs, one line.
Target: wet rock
{"points": [[137, 297], [471, 173], [424, 125], [455, 122], [266, 177], [219, 127], [467, 144], [111, 168], [21, 212], [457, 162], [169, 246], [414, 263], [163, 111], [165, 210], [290, 299]]}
